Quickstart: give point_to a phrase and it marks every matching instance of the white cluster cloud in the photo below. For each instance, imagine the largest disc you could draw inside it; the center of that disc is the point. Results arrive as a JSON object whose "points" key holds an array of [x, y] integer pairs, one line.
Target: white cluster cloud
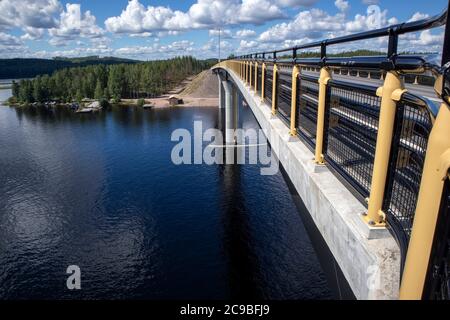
{"points": [[36, 17], [342, 5], [73, 24], [426, 38], [224, 34], [374, 19], [245, 33], [228, 34], [418, 16], [33, 16], [310, 23], [31, 13], [136, 18], [9, 40], [176, 48], [316, 24]]}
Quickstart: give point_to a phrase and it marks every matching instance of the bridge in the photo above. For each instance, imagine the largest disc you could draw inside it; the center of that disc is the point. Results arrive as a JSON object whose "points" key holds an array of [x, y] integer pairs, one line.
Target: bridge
{"points": [[368, 154]]}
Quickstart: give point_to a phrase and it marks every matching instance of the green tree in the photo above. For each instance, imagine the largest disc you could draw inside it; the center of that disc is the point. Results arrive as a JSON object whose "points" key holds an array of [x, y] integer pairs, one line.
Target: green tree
{"points": [[79, 96], [26, 91], [15, 89], [106, 94], [38, 93], [99, 92]]}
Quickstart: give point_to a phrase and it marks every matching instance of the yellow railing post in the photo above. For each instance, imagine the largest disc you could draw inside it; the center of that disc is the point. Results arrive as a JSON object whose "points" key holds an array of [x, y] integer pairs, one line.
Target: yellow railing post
{"points": [[295, 73], [263, 77], [274, 89], [437, 164], [246, 72], [250, 74], [390, 93], [256, 76], [325, 76]]}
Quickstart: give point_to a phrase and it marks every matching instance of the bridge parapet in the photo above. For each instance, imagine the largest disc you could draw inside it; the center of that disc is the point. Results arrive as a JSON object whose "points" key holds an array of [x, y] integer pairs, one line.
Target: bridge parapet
{"points": [[384, 143]]}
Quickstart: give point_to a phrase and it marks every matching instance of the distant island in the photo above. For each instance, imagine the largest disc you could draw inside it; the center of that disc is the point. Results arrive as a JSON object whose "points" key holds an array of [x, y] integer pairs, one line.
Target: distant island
{"points": [[19, 68], [107, 83]]}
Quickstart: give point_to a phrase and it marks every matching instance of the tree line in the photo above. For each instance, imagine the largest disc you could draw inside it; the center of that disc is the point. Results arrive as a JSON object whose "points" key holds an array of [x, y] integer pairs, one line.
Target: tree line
{"points": [[120, 81], [19, 68]]}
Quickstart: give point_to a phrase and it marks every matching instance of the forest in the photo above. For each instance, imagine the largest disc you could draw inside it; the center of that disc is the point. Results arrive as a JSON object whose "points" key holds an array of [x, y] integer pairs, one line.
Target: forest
{"points": [[105, 82], [19, 68]]}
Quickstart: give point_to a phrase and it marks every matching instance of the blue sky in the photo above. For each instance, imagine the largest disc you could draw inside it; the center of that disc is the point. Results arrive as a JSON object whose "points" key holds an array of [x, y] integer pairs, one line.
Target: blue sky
{"points": [[150, 29]]}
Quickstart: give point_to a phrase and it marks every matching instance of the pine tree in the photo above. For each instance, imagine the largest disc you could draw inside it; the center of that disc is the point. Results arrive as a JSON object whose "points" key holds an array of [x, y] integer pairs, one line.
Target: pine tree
{"points": [[15, 89], [99, 92], [37, 90], [79, 96]]}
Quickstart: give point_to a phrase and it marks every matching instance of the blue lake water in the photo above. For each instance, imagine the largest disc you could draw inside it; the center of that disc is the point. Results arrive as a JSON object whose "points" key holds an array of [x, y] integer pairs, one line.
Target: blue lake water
{"points": [[5, 94], [100, 191]]}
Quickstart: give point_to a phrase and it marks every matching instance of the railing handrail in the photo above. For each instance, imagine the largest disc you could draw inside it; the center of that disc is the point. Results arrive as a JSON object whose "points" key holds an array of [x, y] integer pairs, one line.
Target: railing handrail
{"points": [[393, 32]]}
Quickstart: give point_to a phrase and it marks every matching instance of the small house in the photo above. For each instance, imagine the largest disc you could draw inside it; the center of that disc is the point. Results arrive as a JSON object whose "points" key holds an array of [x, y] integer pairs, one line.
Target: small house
{"points": [[174, 101]]}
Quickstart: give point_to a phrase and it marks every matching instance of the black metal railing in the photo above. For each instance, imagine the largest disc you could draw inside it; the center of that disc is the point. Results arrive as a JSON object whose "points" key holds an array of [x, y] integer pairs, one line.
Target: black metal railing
{"points": [[307, 105], [411, 132], [350, 141], [268, 86], [258, 79], [352, 120], [284, 96]]}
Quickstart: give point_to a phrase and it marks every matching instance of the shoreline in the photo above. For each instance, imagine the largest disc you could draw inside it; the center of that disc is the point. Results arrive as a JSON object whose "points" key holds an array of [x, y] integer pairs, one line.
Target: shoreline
{"points": [[195, 91], [126, 103], [151, 103], [163, 102]]}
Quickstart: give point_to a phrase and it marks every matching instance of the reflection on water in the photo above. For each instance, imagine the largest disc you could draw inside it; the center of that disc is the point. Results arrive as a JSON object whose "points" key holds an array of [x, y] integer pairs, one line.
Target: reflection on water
{"points": [[100, 191], [5, 94]]}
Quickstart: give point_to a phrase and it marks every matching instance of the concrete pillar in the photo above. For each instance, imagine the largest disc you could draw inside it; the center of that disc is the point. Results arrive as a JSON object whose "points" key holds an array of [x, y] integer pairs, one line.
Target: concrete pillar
{"points": [[220, 120], [221, 93], [229, 115], [237, 104]]}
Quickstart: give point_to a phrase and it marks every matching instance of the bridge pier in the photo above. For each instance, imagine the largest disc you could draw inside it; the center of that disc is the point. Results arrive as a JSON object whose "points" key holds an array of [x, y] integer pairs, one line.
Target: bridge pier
{"points": [[221, 93], [231, 106]]}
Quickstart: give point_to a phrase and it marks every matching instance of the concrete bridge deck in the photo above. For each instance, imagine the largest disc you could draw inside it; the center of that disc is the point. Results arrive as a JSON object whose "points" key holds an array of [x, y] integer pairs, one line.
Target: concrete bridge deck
{"points": [[368, 257]]}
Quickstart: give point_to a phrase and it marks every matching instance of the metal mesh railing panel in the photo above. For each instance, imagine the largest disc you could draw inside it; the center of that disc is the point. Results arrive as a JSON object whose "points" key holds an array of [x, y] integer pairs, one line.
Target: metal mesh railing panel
{"points": [[353, 113], [307, 103], [284, 91], [411, 133], [268, 86]]}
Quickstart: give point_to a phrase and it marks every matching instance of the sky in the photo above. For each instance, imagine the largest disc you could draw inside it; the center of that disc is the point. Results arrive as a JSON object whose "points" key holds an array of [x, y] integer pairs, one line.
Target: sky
{"points": [[156, 29]]}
